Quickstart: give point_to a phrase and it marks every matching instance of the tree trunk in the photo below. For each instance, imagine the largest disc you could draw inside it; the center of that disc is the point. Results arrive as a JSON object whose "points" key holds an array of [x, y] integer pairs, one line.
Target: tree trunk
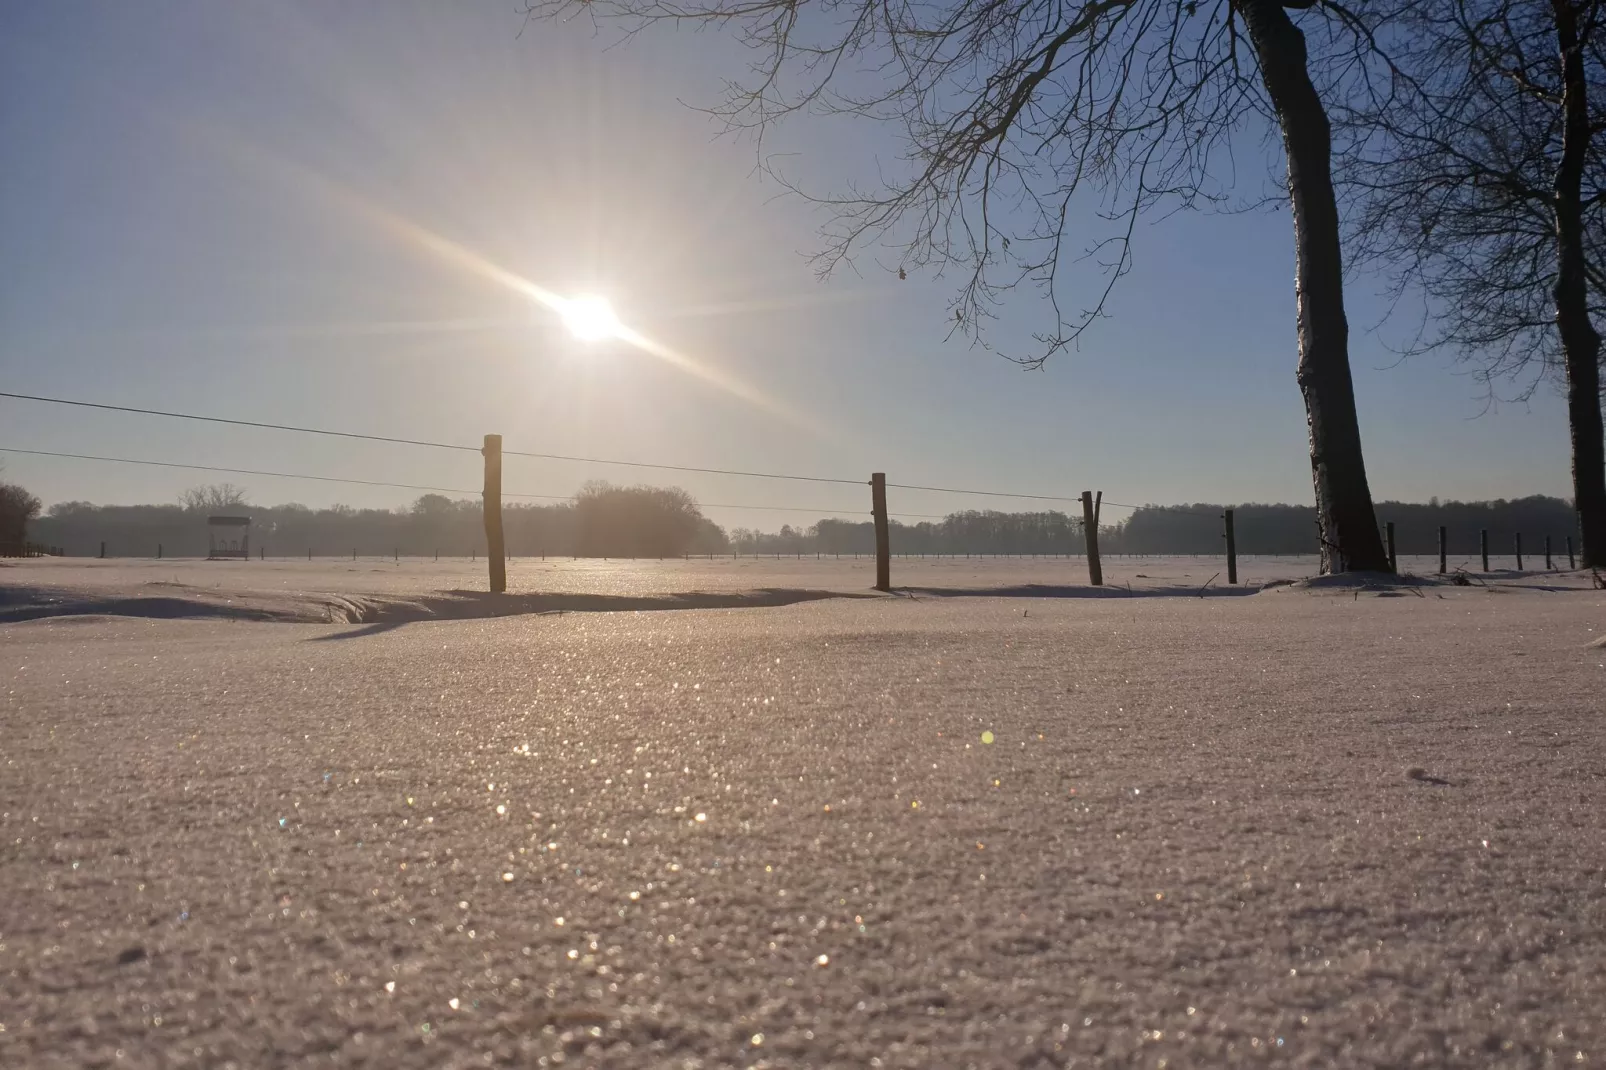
{"points": [[1344, 515], [1580, 342]]}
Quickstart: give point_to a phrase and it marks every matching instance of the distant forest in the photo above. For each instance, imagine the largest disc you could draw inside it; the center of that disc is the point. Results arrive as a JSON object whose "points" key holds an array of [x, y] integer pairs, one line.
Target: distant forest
{"points": [[1183, 529], [609, 521]]}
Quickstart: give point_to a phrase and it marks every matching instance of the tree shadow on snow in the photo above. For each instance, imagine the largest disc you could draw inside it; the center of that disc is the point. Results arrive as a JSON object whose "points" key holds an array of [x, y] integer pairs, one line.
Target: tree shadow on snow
{"points": [[357, 633], [1046, 590], [478, 605], [36, 603]]}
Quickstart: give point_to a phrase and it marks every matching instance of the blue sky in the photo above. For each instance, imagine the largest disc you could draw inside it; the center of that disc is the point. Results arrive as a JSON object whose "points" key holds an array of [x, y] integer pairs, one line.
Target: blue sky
{"points": [[216, 208]]}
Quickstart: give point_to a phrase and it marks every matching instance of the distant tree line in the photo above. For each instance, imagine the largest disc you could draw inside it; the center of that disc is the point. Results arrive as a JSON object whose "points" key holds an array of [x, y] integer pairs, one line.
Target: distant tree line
{"points": [[603, 520], [1182, 529], [1291, 529], [17, 508], [966, 532], [600, 521]]}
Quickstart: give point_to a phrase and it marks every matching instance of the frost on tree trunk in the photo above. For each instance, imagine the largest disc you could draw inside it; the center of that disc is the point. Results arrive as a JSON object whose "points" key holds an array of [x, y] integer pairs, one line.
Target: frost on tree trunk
{"points": [[1344, 514], [1580, 342]]}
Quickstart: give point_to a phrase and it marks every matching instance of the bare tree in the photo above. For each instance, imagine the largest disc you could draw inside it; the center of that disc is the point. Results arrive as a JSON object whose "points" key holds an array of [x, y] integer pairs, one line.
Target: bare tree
{"points": [[213, 498], [1479, 167], [1012, 109], [17, 508]]}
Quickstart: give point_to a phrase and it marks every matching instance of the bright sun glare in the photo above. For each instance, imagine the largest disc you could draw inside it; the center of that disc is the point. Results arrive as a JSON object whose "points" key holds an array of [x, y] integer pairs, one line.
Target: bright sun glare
{"points": [[590, 318]]}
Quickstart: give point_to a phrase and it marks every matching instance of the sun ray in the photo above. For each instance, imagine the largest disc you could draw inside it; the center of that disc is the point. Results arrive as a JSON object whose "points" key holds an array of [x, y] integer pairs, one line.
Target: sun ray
{"points": [[259, 160], [779, 304]]}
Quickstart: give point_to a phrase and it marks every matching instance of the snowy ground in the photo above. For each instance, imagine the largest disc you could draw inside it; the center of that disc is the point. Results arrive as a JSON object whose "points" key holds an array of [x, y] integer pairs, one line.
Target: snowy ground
{"points": [[374, 589], [1312, 826]]}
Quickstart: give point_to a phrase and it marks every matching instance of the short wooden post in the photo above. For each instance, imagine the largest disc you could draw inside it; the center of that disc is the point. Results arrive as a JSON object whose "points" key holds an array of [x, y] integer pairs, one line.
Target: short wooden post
{"points": [[1090, 535], [1232, 548], [158, 551], [1388, 540], [1483, 547], [1517, 544], [262, 553], [878, 509], [1571, 563], [495, 553], [396, 552], [1548, 566], [1443, 549], [102, 549], [354, 553]]}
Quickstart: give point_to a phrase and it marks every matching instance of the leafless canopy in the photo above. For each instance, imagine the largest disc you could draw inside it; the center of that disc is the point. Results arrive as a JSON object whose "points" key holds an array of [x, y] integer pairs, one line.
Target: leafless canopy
{"points": [[212, 498], [1010, 109], [1452, 176]]}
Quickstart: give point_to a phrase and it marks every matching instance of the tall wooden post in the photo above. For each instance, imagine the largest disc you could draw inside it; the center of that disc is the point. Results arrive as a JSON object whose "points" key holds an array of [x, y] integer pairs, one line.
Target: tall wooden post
{"points": [[1517, 543], [1443, 549], [1090, 534], [1388, 538], [102, 549], [1232, 548], [1571, 562], [1548, 565], [883, 542], [158, 551], [494, 552], [1483, 547]]}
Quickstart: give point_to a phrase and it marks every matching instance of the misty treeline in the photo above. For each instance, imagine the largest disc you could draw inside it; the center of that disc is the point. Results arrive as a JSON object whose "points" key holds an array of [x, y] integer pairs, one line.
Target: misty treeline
{"points": [[650, 522], [1184, 529], [600, 521], [17, 509]]}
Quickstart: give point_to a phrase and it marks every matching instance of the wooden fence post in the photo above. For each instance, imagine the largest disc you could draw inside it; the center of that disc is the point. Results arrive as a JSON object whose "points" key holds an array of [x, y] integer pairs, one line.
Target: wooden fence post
{"points": [[1483, 547], [1232, 548], [158, 551], [1548, 566], [1571, 563], [495, 553], [1517, 543], [102, 549], [1388, 538], [1443, 549], [1090, 535], [878, 508]]}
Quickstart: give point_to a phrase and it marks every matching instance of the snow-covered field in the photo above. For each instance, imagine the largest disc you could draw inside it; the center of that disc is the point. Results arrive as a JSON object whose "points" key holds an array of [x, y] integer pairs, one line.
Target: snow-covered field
{"points": [[372, 589], [1330, 825]]}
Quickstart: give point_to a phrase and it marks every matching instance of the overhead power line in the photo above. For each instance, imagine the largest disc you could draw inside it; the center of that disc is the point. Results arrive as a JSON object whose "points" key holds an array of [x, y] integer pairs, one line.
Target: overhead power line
{"points": [[237, 423], [255, 472], [986, 494], [412, 486], [684, 468], [420, 442], [457, 447]]}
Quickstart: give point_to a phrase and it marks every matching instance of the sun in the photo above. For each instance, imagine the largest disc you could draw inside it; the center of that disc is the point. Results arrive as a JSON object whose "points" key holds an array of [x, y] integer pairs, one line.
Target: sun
{"points": [[590, 318]]}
